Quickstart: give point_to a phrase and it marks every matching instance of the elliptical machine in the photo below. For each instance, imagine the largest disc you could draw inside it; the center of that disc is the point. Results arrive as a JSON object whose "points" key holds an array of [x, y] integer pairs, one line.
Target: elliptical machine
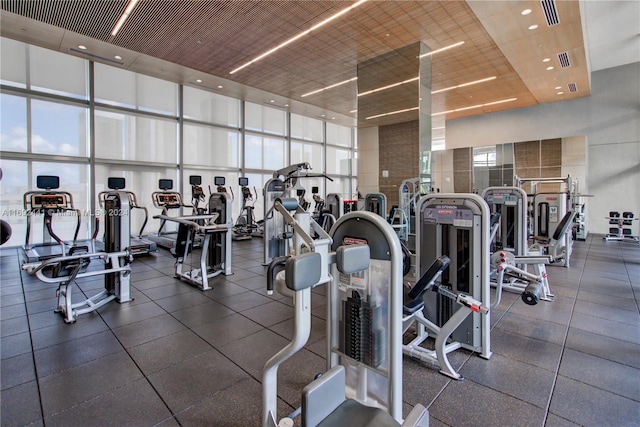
{"points": [[245, 225]]}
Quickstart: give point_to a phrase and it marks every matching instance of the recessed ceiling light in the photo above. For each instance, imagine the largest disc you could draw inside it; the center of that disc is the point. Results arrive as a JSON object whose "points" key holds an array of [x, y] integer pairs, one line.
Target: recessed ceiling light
{"points": [[198, 80], [525, 12], [118, 57], [333, 118], [533, 27], [558, 87], [123, 17], [549, 68], [560, 93], [323, 115], [286, 105], [272, 100], [83, 47], [546, 60], [220, 86]]}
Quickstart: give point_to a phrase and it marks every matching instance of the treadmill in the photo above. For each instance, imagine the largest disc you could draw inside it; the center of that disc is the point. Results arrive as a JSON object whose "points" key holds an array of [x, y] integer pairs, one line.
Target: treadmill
{"points": [[49, 202], [140, 245], [166, 200]]}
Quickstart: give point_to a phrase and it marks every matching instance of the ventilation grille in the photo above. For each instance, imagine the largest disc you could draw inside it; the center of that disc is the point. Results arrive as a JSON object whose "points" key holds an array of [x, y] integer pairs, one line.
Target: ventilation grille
{"points": [[572, 87], [563, 58], [550, 12]]}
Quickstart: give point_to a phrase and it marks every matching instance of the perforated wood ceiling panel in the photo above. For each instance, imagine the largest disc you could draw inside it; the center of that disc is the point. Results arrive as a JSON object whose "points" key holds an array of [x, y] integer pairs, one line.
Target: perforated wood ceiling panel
{"points": [[214, 37]]}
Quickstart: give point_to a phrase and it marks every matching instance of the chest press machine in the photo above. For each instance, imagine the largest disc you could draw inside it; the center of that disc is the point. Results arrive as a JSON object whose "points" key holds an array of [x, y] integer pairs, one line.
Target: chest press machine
{"points": [[360, 263], [117, 256]]}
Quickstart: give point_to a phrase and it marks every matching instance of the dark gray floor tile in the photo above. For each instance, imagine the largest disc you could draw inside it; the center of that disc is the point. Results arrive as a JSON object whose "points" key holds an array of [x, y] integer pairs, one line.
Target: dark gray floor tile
{"points": [[237, 406], [543, 354], [517, 379], [82, 350], [528, 327], [41, 294], [318, 329], [17, 370], [270, 313], [87, 324], [240, 274], [483, 406], [202, 313], [146, 275], [604, 347], [9, 300], [296, 373], [607, 300], [184, 300], [117, 315], [254, 283], [223, 289], [14, 311], [155, 282], [14, 345], [590, 406], [20, 405], [227, 329], [606, 327], [147, 330], [421, 383], [51, 304], [188, 383], [601, 373], [7, 289], [137, 404], [556, 421], [605, 312], [14, 326], [169, 290], [169, 350], [243, 301], [252, 352], [84, 382], [558, 311]]}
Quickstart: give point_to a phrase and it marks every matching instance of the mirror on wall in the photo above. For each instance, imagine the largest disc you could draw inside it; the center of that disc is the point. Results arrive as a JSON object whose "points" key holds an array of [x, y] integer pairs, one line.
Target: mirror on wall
{"points": [[492, 166]]}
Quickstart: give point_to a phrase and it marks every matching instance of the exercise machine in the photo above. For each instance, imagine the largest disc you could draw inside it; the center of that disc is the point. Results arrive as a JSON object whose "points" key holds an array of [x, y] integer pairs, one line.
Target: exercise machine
{"points": [[50, 202], [360, 263], [376, 203], [117, 257], [559, 246], [246, 224], [452, 237], [197, 194], [623, 227], [214, 231], [5, 227], [511, 204], [167, 200], [285, 183], [338, 205], [138, 245]]}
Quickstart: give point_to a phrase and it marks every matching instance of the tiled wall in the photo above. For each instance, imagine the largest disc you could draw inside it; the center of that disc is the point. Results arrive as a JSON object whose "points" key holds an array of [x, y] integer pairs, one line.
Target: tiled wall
{"points": [[399, 148]]}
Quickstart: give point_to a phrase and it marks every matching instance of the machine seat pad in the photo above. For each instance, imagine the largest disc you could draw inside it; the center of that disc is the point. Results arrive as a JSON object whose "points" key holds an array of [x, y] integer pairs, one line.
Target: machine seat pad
{"points": [[425, 282], [352, 413], [412, 306]]}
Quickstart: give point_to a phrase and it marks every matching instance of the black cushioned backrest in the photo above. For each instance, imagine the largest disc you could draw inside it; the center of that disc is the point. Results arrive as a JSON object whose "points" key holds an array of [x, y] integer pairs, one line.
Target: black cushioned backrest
{"points": [[438, 266], [563, 225]]}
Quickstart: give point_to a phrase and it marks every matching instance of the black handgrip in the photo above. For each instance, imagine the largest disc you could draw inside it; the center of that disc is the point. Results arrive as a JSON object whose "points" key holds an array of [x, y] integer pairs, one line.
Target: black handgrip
{"points": [[271, 273], [438, 266]]}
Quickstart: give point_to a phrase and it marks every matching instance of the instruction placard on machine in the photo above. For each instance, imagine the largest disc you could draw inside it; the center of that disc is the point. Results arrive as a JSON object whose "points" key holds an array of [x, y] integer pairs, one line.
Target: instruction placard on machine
{"points": [[459, 216]]}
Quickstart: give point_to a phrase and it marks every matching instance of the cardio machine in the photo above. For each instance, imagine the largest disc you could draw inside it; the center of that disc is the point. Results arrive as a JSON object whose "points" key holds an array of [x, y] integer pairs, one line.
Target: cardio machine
{"points": [[246, 224], [167, 200], [50, 203], [139, 245], [65, 270], [360, 264]]}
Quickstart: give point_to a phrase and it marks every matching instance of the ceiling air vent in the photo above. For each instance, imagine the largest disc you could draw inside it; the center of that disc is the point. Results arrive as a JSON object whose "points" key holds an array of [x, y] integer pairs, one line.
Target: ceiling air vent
{"points": [[572, 87], [563, 58], [550, 12]]}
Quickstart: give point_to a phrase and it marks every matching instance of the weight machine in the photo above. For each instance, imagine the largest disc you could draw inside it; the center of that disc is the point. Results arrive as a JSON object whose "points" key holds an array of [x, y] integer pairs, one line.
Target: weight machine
{"points": [[360, 263], [246, 224], [117, 256], [376, 203], [138, 245], [452, 237], [167, 200], [623, 230]]}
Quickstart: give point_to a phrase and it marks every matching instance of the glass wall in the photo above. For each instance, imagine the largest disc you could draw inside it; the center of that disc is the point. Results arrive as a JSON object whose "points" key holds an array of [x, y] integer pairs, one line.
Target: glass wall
{"points": [[144, 129]]}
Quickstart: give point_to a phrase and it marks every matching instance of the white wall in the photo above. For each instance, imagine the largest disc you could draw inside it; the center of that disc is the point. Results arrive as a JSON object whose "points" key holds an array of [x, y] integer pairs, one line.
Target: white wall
{"points": [[609, 119]]}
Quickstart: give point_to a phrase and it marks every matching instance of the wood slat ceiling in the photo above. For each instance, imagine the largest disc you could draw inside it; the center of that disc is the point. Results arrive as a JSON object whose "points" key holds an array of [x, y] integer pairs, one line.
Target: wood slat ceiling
{"points": [[211, 38]]}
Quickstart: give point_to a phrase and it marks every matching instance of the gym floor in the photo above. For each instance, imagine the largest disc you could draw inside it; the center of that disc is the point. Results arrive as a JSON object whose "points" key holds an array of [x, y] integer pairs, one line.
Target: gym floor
{"points": [[179, 356]]}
